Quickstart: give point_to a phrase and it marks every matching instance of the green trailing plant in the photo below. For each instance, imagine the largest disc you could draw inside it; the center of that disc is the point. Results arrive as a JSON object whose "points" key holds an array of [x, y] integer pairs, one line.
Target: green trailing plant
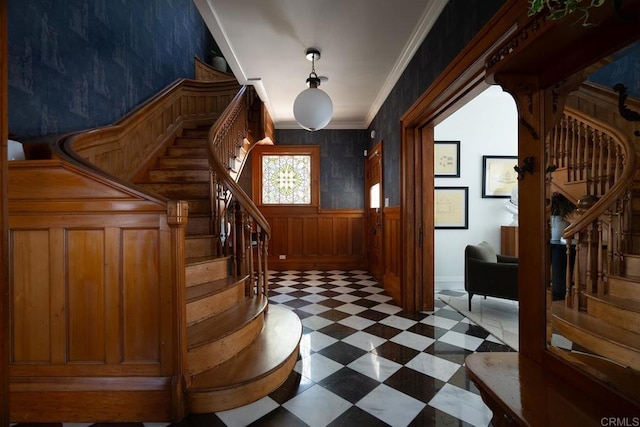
{"points": [[561, 206], [558, 9]]}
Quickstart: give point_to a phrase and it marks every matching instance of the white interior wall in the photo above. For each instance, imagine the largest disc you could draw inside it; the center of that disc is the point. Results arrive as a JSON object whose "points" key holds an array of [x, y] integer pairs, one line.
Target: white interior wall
{"points": [[487, 125]]}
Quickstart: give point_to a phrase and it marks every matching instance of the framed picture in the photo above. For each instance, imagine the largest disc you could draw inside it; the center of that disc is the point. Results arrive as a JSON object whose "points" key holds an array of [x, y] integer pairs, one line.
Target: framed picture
{"points": [[446, 158], [451, 206], [498, 176]]}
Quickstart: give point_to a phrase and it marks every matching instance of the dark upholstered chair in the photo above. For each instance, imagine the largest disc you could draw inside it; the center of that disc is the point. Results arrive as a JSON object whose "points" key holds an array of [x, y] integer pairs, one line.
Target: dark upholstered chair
{"points": [[489, 274]]}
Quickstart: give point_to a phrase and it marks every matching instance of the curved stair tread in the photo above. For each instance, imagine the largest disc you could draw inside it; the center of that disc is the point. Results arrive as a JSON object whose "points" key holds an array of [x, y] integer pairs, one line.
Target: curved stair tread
{"points": [[201, 259], [277, 341], [622, 303], [194, 293], [220, 325], [622, 345]]}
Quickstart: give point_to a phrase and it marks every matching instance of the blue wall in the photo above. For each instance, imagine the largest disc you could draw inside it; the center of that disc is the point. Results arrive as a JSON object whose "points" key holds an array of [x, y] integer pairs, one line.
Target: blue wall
{"points": [[456, 26], [341, 164], [624, 69], [77, 64]]}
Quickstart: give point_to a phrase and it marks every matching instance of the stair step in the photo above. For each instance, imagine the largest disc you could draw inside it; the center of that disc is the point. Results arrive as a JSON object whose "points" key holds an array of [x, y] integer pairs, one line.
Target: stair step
{"points": [[596, 335], [211, 298], [624, 287], [617, 311], [183, 162], [200, 246], [198, 224], [206, 269], [221, 337], [175, 151], [620, 378], [200, 132], [632, 265], [173, 174], [253, 373], [190, 141], [178, 191], [199, 206]]}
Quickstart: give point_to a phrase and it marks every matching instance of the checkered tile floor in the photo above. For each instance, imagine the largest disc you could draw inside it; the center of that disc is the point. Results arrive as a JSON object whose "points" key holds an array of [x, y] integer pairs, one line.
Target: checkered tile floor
{"points": [[365, 362]]}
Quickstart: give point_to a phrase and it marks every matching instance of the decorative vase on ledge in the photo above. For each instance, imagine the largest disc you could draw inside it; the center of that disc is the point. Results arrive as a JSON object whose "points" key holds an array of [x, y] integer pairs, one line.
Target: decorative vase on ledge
{"points": [[219, 63], [558, 224]]}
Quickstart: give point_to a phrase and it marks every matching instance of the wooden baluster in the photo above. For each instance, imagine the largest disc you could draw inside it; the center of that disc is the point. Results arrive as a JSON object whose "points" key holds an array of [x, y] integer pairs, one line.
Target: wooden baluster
{"points": [[265, 254], [574, 152], [249, 254], [578, 159], [589, 279], [583, 137], [601, 174], [609, 160], [600, 260], [260, 273], [572, 300], [568, 271]]}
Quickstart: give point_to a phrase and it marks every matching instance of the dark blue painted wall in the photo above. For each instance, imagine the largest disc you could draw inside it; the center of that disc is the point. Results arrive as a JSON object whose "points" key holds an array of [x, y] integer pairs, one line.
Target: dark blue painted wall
{"points": [[341, 164], [458, 23], [624, 69], [77, 64]]}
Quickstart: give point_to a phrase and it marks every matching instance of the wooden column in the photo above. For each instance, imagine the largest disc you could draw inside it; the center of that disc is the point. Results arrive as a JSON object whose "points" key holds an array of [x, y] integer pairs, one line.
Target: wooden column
{"points": [[538, 110], [177, 213], [4, 245]]}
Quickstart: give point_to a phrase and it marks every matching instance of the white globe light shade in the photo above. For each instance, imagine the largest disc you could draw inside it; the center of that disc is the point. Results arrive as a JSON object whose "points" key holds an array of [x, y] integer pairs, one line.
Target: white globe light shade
{"points": [[313, 109]]}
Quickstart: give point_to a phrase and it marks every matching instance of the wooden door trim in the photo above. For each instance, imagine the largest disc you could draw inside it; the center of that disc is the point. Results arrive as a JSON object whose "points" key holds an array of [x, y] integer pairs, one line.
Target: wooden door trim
{"points": [[460, 82], [4, 246], [376, 151]]}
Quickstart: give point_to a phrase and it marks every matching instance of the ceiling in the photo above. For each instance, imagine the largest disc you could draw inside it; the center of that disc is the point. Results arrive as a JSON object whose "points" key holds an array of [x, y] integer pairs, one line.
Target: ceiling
{"points": [[365, 47]]}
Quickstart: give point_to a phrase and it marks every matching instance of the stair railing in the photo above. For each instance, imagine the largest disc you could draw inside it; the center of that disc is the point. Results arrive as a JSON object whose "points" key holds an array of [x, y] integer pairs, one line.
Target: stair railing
{"points": [[244, 231], [594, 152]]}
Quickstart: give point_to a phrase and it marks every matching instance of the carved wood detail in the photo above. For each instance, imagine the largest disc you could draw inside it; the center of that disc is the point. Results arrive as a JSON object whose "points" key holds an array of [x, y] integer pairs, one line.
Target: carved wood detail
{"points": [[392, 252]]}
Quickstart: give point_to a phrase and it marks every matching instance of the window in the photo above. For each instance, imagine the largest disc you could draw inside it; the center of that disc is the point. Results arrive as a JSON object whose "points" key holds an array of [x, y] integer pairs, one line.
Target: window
{"points": [[286, 175]]}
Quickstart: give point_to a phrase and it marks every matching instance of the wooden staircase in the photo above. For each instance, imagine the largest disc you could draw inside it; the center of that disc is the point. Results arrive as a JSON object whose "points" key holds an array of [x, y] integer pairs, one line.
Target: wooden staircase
{"points": [[237, 350], [601, 311]]}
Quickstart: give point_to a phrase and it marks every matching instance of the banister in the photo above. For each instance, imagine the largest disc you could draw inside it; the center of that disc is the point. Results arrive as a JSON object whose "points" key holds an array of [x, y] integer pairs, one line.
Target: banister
{"points": [[124, 148], [215, 133], [620, 185]]}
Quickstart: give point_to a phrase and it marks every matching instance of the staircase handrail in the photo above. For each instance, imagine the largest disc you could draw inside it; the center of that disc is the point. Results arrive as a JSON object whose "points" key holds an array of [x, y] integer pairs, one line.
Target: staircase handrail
{"points": [[621, 185], [216, 133], [92, 147]]}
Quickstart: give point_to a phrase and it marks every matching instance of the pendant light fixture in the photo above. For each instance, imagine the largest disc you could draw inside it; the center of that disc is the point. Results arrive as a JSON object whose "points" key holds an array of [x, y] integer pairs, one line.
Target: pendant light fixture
{"points": [[313, 107]]}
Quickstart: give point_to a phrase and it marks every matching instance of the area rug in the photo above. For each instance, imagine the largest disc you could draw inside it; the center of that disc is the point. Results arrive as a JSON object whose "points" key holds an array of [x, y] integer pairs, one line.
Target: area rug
{"points": [[498, 316]]}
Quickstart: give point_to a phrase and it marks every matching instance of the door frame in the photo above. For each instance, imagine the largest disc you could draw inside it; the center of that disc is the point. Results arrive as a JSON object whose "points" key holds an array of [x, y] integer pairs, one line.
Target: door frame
{"points": [[375, 152], [461, 81]]}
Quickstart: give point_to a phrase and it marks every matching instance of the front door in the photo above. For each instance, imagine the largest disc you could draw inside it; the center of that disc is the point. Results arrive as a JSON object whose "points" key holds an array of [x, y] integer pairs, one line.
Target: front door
{"points": [[373, 209]]}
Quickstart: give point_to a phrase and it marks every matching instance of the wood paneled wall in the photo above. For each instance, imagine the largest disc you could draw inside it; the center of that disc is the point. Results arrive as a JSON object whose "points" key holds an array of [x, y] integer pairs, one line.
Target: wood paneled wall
{"points": [[312, 238], [391, 280], [124, 149], [93, 297]]}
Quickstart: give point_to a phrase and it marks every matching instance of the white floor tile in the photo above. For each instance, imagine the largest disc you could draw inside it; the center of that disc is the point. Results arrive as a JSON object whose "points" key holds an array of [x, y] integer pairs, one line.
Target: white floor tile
{"points": [[356, 322], [433, 366], [314, 308], [411, 340], [374, 366], [391, 406], [247, 414], [440, 322], [398, 322], [467, 342], [318, 340], [351, 308], [386, 308], [346, 298], [282, 298], [364, 340], [317, 367], [462, 404], [314, 298], [317, 406]]}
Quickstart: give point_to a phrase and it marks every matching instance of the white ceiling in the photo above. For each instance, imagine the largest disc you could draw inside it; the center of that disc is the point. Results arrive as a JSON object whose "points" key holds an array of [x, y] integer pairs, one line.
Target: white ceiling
{"points": [[365, 47]]}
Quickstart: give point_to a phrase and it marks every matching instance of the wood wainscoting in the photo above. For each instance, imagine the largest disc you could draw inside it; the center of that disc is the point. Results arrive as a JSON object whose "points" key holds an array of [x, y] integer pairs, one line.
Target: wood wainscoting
{"points": [[312, 238], [93, 324], [392, 234]]}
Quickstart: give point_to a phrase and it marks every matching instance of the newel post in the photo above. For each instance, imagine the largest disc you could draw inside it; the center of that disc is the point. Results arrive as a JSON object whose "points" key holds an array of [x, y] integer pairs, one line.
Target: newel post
{"points": [[177, 213]]}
